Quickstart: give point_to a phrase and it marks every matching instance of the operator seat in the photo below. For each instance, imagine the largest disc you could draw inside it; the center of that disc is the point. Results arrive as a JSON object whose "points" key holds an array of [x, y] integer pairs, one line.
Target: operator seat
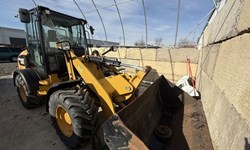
{"points": [[52, 39], [55, 57]]}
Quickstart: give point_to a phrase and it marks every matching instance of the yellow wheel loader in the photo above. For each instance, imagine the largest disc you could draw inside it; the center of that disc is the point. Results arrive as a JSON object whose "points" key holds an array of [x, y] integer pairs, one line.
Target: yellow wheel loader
{"points": [[58, 69]]}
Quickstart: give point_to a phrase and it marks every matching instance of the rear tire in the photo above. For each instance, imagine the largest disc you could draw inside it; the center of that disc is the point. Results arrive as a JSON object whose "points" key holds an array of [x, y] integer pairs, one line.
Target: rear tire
{"points": [[28, 101], [74, 116]]}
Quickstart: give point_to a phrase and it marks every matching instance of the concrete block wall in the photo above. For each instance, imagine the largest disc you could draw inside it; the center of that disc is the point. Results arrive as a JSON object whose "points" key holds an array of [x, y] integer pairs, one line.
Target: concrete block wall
{"points": [[168, 62], [224, 24], [223, 76]]}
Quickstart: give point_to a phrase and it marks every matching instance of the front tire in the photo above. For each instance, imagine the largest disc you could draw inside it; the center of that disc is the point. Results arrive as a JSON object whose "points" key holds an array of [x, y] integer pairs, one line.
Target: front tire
{"points": [[28, 101], [74, 116]]}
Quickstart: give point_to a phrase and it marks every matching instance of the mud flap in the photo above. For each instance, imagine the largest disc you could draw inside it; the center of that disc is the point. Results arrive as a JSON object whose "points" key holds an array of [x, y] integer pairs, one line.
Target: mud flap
{"points": [[161, 104]]}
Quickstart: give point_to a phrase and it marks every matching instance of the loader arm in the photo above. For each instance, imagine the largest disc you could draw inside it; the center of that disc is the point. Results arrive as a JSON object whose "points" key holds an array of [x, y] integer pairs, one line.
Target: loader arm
{"points": [[118, 88]]}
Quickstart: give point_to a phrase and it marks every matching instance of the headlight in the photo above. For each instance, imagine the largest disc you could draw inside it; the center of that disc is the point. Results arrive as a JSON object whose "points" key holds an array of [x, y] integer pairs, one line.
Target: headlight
{"points": [[63, 45], [21, 61]]}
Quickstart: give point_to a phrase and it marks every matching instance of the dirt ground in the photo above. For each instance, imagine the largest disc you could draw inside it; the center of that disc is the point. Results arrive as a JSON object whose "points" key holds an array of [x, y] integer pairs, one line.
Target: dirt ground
{"points": [[22, 129], [6, 68]]}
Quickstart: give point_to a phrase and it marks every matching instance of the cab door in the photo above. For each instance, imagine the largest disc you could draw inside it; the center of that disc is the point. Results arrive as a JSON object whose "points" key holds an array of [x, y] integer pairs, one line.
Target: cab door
{"points": [[34, 43]]}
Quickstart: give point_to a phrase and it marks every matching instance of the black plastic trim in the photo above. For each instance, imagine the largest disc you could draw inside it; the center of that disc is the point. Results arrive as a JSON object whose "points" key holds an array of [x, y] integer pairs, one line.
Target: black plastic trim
{"points": [[61, 85], [30, 77]]}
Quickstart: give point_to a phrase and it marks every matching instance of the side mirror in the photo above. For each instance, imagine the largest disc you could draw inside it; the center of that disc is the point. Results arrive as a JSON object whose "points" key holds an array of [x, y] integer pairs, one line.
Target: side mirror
{"points": [[24, 15], [91, 30], [63, 45], [112, 48]]}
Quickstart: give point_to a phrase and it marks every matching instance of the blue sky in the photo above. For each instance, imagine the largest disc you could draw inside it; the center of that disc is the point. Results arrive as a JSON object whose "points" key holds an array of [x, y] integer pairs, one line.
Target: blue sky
{"points": [[161, 17]]}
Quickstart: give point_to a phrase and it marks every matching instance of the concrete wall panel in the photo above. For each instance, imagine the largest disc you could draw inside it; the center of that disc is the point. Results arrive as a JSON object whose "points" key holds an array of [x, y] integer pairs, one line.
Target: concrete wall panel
{"points": [[209, 59], [145, 54], [224, 76], [244, 21], [227, 128], [178, 55], [224, 25], [160, 66], [120, 53], [232, 73], [181, 68]]}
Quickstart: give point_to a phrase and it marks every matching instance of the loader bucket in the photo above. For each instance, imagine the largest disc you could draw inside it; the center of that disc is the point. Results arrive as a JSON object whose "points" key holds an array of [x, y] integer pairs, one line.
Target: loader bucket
{"points": [[163, 117]]}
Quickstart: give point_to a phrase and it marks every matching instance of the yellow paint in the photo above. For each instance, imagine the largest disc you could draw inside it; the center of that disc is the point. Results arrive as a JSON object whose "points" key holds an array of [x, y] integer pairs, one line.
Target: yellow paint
{"points": [[90, 74], [45, 84], [69, 65], [122, 88], [112, 89], [22, 93], [115, 88], [137, 78], [23, 53], [63, 121]]}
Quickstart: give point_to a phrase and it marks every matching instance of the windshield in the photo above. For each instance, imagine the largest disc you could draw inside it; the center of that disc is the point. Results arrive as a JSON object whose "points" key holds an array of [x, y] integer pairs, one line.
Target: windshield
{"points": [[57, 27]]}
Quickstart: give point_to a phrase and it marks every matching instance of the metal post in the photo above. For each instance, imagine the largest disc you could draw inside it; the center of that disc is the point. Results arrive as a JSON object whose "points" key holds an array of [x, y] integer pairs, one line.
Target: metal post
{"points": [[123, 33], [177, 23], [101, 21], [145, 17]]}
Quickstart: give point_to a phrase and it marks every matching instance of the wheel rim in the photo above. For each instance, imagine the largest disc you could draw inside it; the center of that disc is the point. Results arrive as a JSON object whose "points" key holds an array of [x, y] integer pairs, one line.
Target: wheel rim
{"points": [[22, 93], [63, 121]]}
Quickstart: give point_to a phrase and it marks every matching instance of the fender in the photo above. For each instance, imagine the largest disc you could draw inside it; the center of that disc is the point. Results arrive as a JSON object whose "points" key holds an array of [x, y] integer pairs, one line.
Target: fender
{"points": [[31, 79], [61, 85]]}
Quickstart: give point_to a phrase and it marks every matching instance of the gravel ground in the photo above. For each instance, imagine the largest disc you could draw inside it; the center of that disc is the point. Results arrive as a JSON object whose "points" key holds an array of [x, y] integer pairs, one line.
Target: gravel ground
{"points": [[23, 129], [7, 68]]}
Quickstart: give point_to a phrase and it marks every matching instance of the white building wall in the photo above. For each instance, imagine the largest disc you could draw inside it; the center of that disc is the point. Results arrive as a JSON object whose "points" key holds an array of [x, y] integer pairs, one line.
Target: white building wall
{"points": [[6, 33]]}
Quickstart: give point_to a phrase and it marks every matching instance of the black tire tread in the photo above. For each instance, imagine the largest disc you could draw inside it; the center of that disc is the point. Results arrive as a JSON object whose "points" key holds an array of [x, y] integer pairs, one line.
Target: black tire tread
{"points": [[83, 114], [33, 101]]}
